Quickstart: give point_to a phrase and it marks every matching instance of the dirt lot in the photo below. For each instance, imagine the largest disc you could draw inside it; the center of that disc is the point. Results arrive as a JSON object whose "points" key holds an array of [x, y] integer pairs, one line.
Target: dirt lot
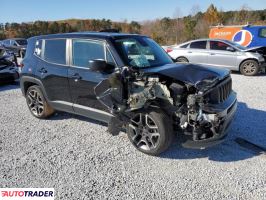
{"points": [[80, 160]]}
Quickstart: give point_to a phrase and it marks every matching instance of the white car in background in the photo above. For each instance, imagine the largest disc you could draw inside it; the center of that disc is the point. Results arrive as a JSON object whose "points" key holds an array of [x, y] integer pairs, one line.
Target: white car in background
{"points": [[220, 53]]}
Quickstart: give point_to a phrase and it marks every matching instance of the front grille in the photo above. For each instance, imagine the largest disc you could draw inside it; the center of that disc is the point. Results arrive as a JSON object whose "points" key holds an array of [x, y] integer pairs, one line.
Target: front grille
{"points": [[220, 92]]}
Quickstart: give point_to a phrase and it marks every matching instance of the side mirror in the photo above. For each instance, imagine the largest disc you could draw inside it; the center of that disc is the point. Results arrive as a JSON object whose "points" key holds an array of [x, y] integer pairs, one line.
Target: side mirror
{"points": [[101, 66], [230, 49]]}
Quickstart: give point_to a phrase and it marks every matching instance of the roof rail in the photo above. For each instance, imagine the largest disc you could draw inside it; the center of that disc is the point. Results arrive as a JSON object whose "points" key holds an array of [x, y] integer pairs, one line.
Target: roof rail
{"points": [[221, 25], [110, 30]]}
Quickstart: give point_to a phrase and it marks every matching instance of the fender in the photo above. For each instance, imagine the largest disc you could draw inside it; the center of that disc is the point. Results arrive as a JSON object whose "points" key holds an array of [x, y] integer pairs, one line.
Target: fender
{"points": [[29, 79]]}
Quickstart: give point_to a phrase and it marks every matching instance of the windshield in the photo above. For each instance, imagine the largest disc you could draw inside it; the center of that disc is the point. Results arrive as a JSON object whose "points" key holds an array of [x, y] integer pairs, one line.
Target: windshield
{"points": [[141, 52], [237, 45], [22, 42]]}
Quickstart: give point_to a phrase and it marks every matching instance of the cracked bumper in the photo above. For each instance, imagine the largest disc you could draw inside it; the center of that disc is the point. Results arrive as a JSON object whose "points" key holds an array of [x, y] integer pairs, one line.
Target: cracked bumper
{"points": [[225, 112]]}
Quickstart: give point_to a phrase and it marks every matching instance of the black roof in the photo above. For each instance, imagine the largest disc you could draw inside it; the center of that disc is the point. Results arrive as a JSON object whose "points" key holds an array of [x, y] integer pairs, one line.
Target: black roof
{"points": [[96, 35]]}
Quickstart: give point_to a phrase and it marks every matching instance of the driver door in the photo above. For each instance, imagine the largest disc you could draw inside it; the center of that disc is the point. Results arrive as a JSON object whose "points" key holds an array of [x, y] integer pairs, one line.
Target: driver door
{"points": [[82, 80], [220, 56]]}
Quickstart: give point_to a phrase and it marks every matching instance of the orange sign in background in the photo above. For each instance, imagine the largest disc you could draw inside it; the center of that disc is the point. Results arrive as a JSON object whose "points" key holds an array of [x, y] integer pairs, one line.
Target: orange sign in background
{"points": [[224, 33]]}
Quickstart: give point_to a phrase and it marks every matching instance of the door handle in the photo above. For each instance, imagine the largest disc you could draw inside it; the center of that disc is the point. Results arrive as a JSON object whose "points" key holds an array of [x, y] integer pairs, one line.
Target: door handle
{"points": [[42, 70], [189, 51], [76, 77], [212, 54]]}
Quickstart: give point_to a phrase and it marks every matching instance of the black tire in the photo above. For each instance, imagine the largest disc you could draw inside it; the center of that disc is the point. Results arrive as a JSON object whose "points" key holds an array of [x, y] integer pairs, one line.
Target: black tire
{"points": [[150, 132], [37, 104], [182, 59], [249, 68]]}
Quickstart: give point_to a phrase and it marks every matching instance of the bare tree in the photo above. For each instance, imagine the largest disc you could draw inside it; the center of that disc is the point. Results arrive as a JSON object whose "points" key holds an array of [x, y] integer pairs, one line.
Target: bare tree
{"points": [[243, 15], [179, 24], [195, 9]]}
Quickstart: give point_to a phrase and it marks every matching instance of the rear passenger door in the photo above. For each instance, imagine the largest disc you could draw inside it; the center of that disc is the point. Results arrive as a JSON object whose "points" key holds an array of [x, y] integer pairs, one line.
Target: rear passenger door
{"points": [[197, 52], [52, 70], [82, 80]]}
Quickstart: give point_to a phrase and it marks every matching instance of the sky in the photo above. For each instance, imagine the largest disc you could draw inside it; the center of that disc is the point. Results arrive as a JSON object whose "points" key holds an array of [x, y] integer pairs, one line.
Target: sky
{"points": [[116, 10]]}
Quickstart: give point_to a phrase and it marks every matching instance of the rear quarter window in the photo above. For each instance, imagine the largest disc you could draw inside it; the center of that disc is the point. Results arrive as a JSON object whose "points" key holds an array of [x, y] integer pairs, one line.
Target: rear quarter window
{"points": [[184, 46], [55, 51], [38, 48]]}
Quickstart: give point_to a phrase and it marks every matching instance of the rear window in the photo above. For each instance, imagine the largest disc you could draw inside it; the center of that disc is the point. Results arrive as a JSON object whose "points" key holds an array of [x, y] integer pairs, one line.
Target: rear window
{"points": [[198, 45], [22, 42], [55, 51], [184, 45], [262, 32]]}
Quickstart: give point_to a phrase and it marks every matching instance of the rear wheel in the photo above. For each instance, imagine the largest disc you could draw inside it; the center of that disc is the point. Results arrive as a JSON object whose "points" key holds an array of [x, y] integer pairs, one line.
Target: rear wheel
{"points": [[249, 68], [37, 104], [150, 132], [182, 59]]}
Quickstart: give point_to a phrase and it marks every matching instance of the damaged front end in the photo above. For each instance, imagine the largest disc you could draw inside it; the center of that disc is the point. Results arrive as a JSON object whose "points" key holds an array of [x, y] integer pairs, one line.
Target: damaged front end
{"points": [[201, 110]]}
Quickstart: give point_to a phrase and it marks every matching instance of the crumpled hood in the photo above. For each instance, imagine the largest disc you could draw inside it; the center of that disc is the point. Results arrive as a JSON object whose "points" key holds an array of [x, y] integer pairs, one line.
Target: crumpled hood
{"points": [[197, 75], [252, 49]]}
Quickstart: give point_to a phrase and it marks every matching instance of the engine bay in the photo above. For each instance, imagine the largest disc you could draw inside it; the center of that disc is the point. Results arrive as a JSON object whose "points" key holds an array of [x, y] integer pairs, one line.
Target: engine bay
{"points": [[131, 91]]}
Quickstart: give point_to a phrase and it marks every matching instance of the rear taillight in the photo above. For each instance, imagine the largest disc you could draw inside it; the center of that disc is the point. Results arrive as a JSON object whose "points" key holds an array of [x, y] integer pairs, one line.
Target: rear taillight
{"points": [[21, 65], [168, 50]]}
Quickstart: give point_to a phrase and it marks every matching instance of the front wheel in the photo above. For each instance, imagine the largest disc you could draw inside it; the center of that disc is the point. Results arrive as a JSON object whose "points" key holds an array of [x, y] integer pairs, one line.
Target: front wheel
{"points": [[150, 132], [249, 68]]}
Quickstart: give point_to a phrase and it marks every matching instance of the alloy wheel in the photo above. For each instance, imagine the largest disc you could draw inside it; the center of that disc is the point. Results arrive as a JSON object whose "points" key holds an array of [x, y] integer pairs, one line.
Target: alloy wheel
{"points": [[144, 132], [249, 68], [35, 102]]}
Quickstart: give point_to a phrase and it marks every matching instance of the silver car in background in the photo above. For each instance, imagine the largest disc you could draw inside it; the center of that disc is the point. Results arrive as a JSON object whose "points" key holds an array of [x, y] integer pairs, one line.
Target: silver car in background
{"points": [[220, 53]]}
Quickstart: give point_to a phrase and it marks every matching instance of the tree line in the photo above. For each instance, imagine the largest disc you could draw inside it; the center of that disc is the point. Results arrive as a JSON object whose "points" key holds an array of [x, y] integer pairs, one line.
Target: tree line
{"points": [[165, 31]]}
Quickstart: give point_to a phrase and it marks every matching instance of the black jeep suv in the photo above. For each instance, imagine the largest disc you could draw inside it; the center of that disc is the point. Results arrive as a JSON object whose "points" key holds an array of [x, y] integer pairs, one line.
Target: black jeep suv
{"points": [[131, 83]]}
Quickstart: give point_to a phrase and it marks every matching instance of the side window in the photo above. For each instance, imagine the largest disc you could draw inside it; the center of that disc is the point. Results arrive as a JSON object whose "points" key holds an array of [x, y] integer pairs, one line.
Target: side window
{"points": [[184, 46], [198, 45], [12, 42], [84, 50], [38, 48], [262, 33], [7, 42], [55, 51], [216, 45]]}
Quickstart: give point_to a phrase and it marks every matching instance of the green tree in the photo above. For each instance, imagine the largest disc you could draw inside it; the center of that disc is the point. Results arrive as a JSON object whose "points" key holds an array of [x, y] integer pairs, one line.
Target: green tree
{"points": [[212, 15], [54, 27], [135, 27], [189, 27], [80, 25]]}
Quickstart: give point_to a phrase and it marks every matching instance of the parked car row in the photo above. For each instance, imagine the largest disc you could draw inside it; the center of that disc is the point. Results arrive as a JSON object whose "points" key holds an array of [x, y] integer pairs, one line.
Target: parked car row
{"points": [[219, 53], [12, 52], [8, 67], [17, 45]]}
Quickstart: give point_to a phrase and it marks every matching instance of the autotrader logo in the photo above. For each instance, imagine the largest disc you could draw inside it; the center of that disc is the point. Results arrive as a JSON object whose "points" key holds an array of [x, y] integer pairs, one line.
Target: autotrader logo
{"points": [[27, 193], [243, 37]]}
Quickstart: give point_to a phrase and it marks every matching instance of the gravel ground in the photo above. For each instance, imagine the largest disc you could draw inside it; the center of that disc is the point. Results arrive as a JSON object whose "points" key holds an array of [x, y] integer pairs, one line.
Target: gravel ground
{"points": [[80, 160]]}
